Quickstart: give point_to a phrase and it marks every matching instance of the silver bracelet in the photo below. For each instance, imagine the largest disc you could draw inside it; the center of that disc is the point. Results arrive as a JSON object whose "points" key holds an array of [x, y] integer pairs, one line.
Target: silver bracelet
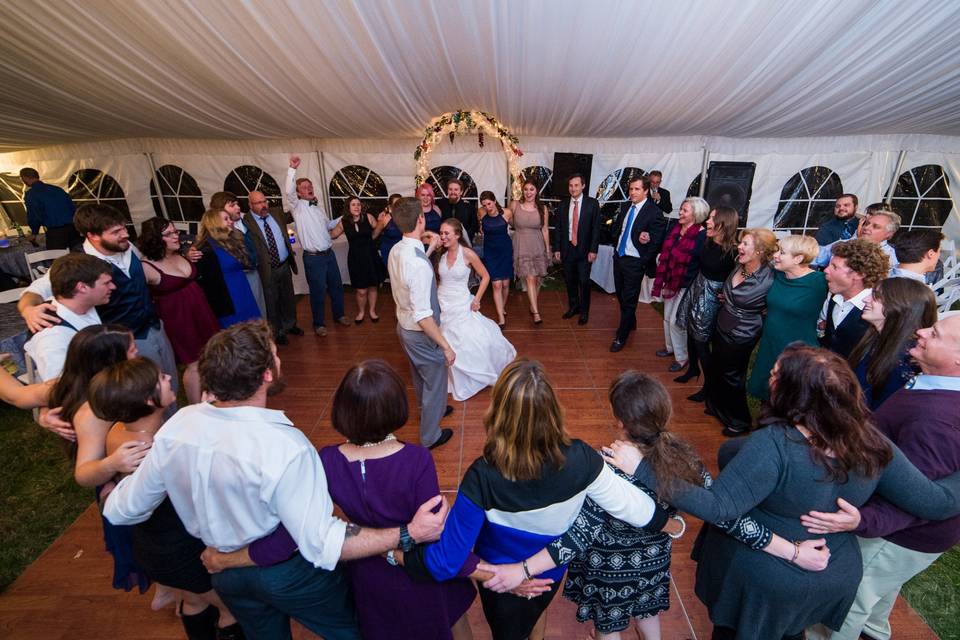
{"points": [[683, 527], [525, 569]]}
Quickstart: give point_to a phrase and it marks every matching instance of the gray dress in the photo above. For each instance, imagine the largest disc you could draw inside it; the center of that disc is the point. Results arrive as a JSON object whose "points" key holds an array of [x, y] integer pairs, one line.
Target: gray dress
{"points": [[774, 479]]}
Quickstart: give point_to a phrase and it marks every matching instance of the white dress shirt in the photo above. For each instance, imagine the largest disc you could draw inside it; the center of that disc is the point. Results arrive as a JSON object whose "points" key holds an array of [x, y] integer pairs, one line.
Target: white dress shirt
{"points": [[579, 202], [48, 348], [313, 223], [233, 474], [239, 226], [411, 279], [904, 273], [630, 249], [841, 307]]}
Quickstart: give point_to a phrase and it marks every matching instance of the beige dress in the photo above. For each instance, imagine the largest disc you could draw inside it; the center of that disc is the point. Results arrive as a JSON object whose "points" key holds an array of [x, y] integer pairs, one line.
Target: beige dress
{"points": [[530, 256]]}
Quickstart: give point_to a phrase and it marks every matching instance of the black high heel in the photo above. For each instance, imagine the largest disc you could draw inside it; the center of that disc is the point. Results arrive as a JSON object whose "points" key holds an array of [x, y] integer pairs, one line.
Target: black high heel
{"points": [[699, 396], [687, 377]]}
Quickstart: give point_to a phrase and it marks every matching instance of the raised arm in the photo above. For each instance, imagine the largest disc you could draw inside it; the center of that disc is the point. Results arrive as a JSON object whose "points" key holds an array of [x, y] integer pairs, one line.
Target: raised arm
{"points": [[290, 186]]}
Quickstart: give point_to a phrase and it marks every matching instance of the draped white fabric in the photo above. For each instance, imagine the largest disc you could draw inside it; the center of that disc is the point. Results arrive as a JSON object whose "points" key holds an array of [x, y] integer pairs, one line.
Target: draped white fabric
{"points": [[74, 70]]}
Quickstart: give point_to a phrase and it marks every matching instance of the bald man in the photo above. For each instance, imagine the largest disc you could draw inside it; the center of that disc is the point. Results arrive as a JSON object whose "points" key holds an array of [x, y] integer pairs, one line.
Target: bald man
{"points": [[275, 262]]}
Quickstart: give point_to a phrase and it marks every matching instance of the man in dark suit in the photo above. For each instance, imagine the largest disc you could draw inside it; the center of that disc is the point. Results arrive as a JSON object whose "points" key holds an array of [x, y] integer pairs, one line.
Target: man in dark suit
{"points": [[660, 196], [454, 207], [855, 268], [638, 230], [575, 245], [276, 265]]}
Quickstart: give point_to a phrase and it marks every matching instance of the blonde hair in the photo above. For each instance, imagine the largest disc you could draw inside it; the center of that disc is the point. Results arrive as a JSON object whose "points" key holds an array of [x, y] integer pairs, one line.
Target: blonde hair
{"points": [[804, 246], [763, 240], [524, 423], [227, 237]]}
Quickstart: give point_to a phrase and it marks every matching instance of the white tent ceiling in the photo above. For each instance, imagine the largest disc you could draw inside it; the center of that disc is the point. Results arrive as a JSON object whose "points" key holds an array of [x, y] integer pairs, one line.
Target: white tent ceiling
{"points": [[84, 70]]}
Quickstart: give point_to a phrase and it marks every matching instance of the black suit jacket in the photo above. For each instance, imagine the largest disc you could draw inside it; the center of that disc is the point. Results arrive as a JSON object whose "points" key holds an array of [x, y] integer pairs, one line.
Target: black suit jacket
{"points": [[255, 233], [465, 212], [650, 219], [588, 229], [665, 203]]}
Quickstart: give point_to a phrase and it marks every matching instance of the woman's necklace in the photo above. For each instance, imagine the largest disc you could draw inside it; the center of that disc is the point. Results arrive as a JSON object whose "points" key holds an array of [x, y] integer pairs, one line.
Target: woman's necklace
{"points": [[746, 274], [367, 445]]}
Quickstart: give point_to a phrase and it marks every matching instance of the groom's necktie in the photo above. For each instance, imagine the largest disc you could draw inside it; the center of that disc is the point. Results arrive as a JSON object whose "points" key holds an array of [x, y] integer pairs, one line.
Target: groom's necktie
{"points": [[434, 300]]}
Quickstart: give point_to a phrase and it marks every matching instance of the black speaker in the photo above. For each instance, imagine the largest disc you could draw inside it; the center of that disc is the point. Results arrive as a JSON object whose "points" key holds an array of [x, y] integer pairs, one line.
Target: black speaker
{"points": [[730, 184], [567, 164]]}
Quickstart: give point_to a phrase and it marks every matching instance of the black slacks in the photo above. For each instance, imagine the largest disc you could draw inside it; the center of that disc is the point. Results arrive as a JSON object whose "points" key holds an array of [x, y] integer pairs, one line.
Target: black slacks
{"points": [[279, 298], [65, 237], [511, 617], [627, 278], [576, 275], [726, 381]]}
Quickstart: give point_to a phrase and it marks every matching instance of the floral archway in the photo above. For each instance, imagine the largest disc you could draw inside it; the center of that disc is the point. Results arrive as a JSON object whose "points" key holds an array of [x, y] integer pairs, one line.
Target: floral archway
{"points": [[470, 122]]}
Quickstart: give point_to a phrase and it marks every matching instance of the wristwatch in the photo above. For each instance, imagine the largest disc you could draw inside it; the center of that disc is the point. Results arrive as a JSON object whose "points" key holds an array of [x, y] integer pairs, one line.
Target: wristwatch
{"points": [[406, 542], [391, 558]]}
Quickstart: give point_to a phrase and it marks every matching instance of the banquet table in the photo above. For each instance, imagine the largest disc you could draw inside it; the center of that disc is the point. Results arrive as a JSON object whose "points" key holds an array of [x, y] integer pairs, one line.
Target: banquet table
{"points": [[13, 260], [13, 335]]}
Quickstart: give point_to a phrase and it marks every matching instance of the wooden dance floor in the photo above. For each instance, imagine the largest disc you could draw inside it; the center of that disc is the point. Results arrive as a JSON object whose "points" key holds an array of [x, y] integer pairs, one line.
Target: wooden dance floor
{"points": [[67, 593]]}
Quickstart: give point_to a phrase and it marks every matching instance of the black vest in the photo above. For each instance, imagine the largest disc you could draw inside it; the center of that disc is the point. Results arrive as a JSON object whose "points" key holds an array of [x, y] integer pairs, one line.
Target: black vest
{"points": [[842, 339], [130, 304]]}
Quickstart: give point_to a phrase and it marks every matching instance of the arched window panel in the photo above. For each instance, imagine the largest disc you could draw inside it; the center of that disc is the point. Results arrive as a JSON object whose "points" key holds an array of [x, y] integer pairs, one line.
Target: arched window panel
{"points": [[807, 199], [693, 191], [11, 198], [357, 180], [922, 197], [543, 178], [246, 178], [180, 192], [612, 192], [94, 186], [440, 176]]}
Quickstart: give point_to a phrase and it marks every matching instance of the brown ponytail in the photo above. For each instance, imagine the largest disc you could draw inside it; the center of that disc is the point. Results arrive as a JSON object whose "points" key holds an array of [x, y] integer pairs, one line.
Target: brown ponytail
{"points": [[643, 406]]}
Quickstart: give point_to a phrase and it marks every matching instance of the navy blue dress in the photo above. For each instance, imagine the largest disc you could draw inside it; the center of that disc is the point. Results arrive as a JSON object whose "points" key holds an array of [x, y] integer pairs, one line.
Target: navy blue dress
{"points": [[497, 248], [390, 236], [432, 220]]}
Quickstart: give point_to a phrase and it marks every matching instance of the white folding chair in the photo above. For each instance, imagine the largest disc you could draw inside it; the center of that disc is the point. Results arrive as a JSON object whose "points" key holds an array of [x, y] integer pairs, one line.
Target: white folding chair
{"points": [[11, 295], [35, 259], [948, 292]]}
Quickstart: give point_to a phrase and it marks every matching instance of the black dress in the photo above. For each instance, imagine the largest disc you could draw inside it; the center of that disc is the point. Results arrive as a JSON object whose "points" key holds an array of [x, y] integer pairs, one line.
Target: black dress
{"points": [[363, 261], [168, 554]]}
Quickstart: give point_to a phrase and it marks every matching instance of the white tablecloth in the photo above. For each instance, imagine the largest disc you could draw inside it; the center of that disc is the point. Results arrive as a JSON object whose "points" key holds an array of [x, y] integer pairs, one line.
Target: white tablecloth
{"points": [[602, 274], [340, 247]]}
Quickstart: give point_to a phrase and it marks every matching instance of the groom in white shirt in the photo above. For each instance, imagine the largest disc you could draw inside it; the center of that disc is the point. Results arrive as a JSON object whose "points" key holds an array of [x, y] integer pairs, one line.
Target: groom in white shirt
{"points": [[414, 288]]}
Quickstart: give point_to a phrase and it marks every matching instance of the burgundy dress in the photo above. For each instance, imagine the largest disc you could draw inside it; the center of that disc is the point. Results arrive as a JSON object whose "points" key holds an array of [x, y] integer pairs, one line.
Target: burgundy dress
{"points": [[187, 318], [386, 493]]}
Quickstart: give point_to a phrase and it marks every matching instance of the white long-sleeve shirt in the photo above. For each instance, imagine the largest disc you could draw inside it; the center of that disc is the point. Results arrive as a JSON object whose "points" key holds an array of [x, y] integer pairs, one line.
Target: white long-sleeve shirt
{"points": [[233, 474], [313, 223], [411, 279]]}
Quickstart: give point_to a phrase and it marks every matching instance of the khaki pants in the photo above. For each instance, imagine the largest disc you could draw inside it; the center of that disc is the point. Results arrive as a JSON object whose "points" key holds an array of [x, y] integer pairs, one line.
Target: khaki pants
{"points": [[886, 567]]}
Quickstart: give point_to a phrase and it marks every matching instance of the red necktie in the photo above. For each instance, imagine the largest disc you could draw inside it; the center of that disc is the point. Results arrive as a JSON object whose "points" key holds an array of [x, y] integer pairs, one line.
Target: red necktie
{"points": [[576, 221]]}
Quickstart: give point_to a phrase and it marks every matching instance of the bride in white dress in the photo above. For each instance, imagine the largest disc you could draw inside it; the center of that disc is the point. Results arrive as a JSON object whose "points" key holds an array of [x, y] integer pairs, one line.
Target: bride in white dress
{"points": [[482, 351]]}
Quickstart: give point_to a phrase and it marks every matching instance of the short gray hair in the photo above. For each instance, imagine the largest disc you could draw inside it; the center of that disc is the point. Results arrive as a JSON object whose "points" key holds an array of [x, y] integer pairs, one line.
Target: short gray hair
{"points": [[894, 225], [701, 209]]}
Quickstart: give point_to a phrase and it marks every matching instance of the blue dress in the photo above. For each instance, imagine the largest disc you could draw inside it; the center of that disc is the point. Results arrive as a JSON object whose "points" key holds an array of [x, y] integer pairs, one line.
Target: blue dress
{"points": [[118, 540], [901, 374], [497, 248], [390, 236], [432, 221], [244, 304]]}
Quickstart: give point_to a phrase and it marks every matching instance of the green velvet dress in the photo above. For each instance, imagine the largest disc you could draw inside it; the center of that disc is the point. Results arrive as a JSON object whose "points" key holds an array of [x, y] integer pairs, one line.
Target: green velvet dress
{"points": [[793, 308]]}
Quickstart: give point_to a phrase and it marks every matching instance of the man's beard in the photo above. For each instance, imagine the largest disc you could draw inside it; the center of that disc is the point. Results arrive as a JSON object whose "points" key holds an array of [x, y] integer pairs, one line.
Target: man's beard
{"points": [[453, 200], [279, 384], [118, 247]]}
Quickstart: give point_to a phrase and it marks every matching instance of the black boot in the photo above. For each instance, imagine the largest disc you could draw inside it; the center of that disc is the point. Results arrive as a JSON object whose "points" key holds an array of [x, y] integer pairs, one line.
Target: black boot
{"points": [[233, 632], [201, 626]]}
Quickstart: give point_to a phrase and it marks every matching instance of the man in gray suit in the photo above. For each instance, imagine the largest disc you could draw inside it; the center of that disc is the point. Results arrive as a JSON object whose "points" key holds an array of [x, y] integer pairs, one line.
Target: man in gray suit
{"points": [[276, 265], [414, 287]]}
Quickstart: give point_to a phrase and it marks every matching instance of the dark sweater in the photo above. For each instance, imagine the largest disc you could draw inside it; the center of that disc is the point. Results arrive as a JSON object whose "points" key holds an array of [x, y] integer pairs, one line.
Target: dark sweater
{"points": [[715, 263], [925, 425]]}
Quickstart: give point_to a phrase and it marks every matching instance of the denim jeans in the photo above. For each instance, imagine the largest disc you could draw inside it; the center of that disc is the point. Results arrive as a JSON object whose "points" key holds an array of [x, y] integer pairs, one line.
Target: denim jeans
{"points": [[323, 276], [264, 599]]}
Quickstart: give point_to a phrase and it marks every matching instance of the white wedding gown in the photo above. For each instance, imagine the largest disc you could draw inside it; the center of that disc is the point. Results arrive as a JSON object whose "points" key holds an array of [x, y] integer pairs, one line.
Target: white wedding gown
{"points": [[482, 351]]}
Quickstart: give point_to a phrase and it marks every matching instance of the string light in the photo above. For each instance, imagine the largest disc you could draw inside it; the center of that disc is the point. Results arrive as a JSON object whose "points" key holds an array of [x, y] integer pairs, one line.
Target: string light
{"points": [[479, 122]]}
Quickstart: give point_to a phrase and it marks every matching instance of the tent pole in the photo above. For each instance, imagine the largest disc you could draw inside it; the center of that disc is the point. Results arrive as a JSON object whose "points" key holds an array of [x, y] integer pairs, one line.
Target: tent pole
{"points": [[324, 187], [896, 174], [156, 181], [703, 171]]}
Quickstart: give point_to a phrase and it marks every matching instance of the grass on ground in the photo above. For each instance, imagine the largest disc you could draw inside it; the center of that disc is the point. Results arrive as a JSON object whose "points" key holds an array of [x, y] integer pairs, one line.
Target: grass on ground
{"points": [[39, 498]]}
